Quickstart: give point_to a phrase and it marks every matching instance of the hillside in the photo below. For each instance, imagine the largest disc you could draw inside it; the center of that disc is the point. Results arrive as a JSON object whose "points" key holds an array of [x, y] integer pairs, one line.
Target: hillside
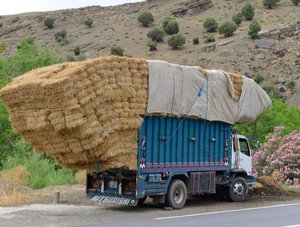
{"points": [[276, 56]]}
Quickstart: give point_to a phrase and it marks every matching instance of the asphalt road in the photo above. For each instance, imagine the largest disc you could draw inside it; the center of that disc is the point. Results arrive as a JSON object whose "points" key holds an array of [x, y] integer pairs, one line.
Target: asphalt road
{"points": [[196, 213]]}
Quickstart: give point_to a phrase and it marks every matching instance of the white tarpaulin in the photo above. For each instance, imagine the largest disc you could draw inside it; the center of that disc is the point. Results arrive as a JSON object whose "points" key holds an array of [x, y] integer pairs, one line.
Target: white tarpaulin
{"points": [[185, 91]]}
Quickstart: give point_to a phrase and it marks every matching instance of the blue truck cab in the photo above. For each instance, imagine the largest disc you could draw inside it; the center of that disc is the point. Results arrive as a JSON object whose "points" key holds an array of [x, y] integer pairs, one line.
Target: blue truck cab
{"points": [[178, 157]]}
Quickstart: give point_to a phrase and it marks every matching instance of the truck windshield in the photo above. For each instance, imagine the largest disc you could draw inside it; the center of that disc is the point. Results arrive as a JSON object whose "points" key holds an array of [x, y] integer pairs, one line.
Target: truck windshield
{"points": [[244, 146]]}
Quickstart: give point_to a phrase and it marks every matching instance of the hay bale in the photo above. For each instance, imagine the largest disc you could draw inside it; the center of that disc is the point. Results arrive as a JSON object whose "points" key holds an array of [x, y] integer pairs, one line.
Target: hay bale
{"points": [[82, 113]]}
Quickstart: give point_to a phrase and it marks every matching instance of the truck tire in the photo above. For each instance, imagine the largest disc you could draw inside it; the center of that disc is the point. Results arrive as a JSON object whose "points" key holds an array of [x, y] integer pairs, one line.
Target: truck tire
{"points": [[238, 190], [177, 194]]}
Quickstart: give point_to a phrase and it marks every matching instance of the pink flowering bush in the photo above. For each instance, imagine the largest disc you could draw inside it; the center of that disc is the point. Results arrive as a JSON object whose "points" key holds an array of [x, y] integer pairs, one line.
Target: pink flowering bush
{"points": [[279, 156]]}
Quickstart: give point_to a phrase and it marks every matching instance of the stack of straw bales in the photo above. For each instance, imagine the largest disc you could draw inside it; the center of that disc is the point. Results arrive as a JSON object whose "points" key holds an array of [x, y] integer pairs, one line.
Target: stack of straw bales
{"points": [[84, 112]]}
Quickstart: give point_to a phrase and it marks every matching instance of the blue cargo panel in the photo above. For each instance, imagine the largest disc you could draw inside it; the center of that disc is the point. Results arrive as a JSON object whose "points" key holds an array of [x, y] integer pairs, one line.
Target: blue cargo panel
{"points": [[182, 144]]}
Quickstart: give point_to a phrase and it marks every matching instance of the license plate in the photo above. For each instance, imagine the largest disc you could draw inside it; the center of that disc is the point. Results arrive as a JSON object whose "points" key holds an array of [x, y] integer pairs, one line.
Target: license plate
{"points": [[113, 184]]}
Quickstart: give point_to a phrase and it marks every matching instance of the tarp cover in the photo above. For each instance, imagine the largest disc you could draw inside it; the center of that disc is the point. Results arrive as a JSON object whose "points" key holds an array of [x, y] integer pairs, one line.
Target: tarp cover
{"points": [[185, 91]]}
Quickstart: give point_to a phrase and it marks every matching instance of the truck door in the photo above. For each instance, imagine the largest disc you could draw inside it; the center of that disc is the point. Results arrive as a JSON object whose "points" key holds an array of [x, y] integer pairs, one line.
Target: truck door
{"points": [[245, 156], [245, 159]]}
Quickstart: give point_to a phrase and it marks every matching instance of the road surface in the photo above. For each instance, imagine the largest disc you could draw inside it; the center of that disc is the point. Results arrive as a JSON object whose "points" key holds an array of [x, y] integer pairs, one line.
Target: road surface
{"points": [[196, 213]]}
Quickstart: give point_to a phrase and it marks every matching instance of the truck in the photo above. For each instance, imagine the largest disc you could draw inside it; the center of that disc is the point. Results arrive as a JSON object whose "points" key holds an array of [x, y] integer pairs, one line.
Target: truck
{"points": [[178, 157]]}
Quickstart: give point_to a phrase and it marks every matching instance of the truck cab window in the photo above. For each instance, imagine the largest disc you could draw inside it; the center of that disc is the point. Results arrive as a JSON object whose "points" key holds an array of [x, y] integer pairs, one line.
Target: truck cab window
{"points": [[244, 146]]}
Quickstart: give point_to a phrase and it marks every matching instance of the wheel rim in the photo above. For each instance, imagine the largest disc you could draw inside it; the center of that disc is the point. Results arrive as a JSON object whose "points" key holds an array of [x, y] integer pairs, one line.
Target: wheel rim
{"points": [[178, 196], [238, 189]]}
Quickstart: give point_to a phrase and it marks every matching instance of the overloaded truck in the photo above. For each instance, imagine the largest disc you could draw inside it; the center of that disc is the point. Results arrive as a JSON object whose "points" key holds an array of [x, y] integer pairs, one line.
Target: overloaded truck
{"points": [[178, 157], [141, 128]]}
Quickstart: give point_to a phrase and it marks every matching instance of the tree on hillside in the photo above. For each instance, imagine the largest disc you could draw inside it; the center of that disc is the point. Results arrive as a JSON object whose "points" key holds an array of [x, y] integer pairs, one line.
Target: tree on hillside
{"points": [[227, 28], [166, 20], [176, 41], [254, 28], [248, 11], [146, 18], [237, 18], [88, 22], [116, 50], [156, 34], [172, 27], [269, 4], [49, 22], [210, 24]]}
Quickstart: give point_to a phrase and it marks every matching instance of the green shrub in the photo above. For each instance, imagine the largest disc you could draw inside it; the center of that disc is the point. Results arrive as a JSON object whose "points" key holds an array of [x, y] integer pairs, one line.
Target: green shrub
{"points": [[152, 45], [172, 27], [77, 50], [176, 41], [296, 2], [210, 24], [61, 36], [156, 34], [254, 28], [117, 50], [269, 4], [237, 18], [49, 22], [146, 18], [248, 11], [209, 39], [259, 78], [1, 24], [227, 28], [166, 20], [44, 171], [196, 41], [88, 22]]}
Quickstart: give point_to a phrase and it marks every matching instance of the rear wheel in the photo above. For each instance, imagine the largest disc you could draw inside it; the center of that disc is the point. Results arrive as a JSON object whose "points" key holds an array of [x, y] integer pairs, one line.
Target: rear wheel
{"points": [[177, 194], [238, 190]]}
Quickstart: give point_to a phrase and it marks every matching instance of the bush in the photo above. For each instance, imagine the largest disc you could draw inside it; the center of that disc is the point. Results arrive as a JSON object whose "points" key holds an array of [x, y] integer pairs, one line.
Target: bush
{"points": [[88, 22], [152, 45], [196, 41], [209, 39], [77, 50], [227, 28], [1, 24], [61, 36], [296, 2], [117, 50], [43, 171], [254, 28], [280, 154], [269, 4], [166, 20], [156, 34], [146, 18], [210, 24], [176, 41], [172, 27], [248, 11], [49, 22], [259, 78], [237, 18]]}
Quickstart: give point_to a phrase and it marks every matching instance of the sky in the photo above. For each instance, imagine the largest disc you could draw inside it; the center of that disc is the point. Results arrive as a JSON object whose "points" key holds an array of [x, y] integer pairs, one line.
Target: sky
{"points": [[9, 7]]}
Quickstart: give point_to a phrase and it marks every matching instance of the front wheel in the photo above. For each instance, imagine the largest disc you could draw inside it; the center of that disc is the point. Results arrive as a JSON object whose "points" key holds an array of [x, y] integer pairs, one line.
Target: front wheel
{"points": [[177, 194], [238, 190]]}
